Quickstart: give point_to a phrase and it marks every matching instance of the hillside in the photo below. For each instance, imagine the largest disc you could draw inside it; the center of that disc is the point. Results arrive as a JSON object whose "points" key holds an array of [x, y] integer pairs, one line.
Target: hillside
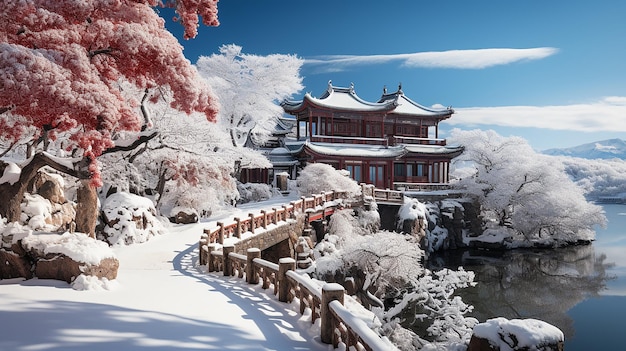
{"points": [[606, 149]]}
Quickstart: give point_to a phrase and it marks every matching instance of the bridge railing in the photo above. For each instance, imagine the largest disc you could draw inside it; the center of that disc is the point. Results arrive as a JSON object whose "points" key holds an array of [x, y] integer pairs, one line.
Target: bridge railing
{"points": [[389, 196], [338, 324], [237, 226]]}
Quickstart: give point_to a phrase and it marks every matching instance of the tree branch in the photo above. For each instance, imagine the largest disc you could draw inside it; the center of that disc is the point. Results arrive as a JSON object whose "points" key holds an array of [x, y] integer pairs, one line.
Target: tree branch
{"points": [[5, 109], [144, 138], [79, 169], [93, 53], [9, 148]]}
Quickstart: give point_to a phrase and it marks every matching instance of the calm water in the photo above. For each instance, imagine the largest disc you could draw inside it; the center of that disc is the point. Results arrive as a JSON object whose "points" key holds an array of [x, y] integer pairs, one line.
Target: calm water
{"points": [[581, 290]]}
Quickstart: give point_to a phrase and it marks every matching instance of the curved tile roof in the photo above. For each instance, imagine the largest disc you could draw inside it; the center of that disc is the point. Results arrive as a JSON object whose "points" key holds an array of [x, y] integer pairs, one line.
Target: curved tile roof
{"points": [[406, 106], [339, 98]]}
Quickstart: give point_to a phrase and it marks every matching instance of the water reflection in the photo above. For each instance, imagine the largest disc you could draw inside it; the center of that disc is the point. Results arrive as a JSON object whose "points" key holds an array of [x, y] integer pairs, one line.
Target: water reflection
{"points": [[541, 284]]}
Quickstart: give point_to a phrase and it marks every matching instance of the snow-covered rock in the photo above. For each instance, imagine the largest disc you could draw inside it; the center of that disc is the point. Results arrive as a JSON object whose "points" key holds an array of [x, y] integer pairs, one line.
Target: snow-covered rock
{"points": [[129, 219], [55, 256], [183, 215], [501, 334]]}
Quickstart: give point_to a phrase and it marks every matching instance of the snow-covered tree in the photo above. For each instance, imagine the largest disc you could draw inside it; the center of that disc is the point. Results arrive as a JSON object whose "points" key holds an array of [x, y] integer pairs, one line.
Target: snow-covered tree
{"points": [[61, 62], [187, 166], [249, 88], [318, 177], [526, 195], [387, 273]]}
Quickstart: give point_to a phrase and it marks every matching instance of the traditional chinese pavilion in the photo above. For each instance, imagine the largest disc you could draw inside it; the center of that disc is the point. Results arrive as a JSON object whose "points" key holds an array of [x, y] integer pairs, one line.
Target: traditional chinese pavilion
{"points": [[392, 143]]}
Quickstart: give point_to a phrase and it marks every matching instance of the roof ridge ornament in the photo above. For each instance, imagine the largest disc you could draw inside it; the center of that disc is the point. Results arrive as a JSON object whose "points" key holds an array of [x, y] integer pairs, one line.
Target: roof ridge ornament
{"points": [[384, 90], [351, 87], [400, 88]]}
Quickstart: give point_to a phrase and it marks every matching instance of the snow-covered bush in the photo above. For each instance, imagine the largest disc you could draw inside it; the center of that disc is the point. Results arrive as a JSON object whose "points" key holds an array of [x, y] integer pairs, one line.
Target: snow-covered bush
{"points": [[382, 259], [527, 192], [386, 266], [316, 178], [368, 217], [129, 219], [437, 319], [254, 192]]}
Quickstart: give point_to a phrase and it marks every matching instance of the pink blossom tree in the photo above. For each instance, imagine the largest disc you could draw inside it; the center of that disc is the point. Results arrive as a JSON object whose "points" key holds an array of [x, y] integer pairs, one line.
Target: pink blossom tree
{"points": [[61, 65]]}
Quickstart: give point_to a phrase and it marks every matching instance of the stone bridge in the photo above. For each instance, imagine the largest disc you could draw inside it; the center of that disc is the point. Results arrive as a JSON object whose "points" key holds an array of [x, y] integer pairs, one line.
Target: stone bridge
{"points": [[276, 232]]}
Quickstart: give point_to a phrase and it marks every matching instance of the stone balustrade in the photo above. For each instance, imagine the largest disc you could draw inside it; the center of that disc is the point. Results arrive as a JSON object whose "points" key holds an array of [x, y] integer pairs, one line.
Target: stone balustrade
{"points": [[338, 324], [276, 216]]}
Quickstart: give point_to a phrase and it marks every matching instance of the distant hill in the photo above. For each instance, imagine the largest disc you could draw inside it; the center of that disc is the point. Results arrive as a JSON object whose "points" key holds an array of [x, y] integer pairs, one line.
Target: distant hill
{"points": [[606, 149]]}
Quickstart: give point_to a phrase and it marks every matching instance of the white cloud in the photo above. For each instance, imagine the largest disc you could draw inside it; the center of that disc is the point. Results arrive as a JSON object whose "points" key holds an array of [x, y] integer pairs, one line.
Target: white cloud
{"points": [[606, 115], [461, 59]]}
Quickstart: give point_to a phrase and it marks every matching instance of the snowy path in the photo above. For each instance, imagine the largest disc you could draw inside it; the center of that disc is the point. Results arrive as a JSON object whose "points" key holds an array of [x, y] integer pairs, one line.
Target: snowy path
{"points": [[162, 301]]}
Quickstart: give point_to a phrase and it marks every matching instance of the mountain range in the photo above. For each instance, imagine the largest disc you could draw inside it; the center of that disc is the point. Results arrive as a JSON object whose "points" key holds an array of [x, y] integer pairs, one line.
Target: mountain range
{"points": [[605, 149]]}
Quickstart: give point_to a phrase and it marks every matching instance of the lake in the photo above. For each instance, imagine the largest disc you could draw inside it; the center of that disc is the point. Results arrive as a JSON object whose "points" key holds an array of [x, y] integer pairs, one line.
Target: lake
{"points": [[581, 289]]}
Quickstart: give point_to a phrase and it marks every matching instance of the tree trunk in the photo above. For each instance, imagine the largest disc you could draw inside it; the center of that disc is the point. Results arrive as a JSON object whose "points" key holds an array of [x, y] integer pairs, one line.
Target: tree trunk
{"points": [[86, 209], [11, 198], [11, 195]]}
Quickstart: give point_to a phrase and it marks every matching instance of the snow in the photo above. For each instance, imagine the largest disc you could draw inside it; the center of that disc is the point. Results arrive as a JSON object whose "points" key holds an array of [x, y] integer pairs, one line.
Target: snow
{"points": [[412, 209], [528, 334], [351, 150], [360, 327], [38, 213], [11, 173], [161, 300]]}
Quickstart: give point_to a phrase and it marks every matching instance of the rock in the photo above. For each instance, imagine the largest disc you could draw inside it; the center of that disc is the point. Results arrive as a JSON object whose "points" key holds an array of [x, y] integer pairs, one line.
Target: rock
{"points": [[13, 265], [62, 216], [107, 268], [128, 219], [183, 217], [62, 257], [52, 191], [61, 267]]}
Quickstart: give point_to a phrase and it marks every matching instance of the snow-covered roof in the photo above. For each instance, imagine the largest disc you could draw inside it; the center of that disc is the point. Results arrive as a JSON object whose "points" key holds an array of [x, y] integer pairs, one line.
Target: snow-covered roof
{"points": [[380, 151], [433, 149], [406, 106], [361, 150], [281, 156], [339, 98]]}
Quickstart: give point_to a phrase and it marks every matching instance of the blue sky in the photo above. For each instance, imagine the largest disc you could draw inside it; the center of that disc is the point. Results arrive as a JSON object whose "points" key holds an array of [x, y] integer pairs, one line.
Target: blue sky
{"points": [[553, 72]]}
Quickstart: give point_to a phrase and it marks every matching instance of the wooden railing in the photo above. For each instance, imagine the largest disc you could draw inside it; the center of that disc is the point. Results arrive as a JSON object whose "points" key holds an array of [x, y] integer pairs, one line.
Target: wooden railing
{"points": [[421, 141], [338, 324], [238, 226], [421, 186], [349, 140], [389, 196]]}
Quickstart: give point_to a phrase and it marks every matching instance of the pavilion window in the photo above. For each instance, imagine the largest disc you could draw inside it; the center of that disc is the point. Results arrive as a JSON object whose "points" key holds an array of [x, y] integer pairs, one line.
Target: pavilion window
{"points": [[399, 169], [373, 130], [409, 169], [355, 172]]}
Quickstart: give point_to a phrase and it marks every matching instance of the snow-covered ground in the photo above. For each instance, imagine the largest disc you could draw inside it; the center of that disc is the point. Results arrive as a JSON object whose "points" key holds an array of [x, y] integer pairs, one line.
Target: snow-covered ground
{"points": [[161, 300]]}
